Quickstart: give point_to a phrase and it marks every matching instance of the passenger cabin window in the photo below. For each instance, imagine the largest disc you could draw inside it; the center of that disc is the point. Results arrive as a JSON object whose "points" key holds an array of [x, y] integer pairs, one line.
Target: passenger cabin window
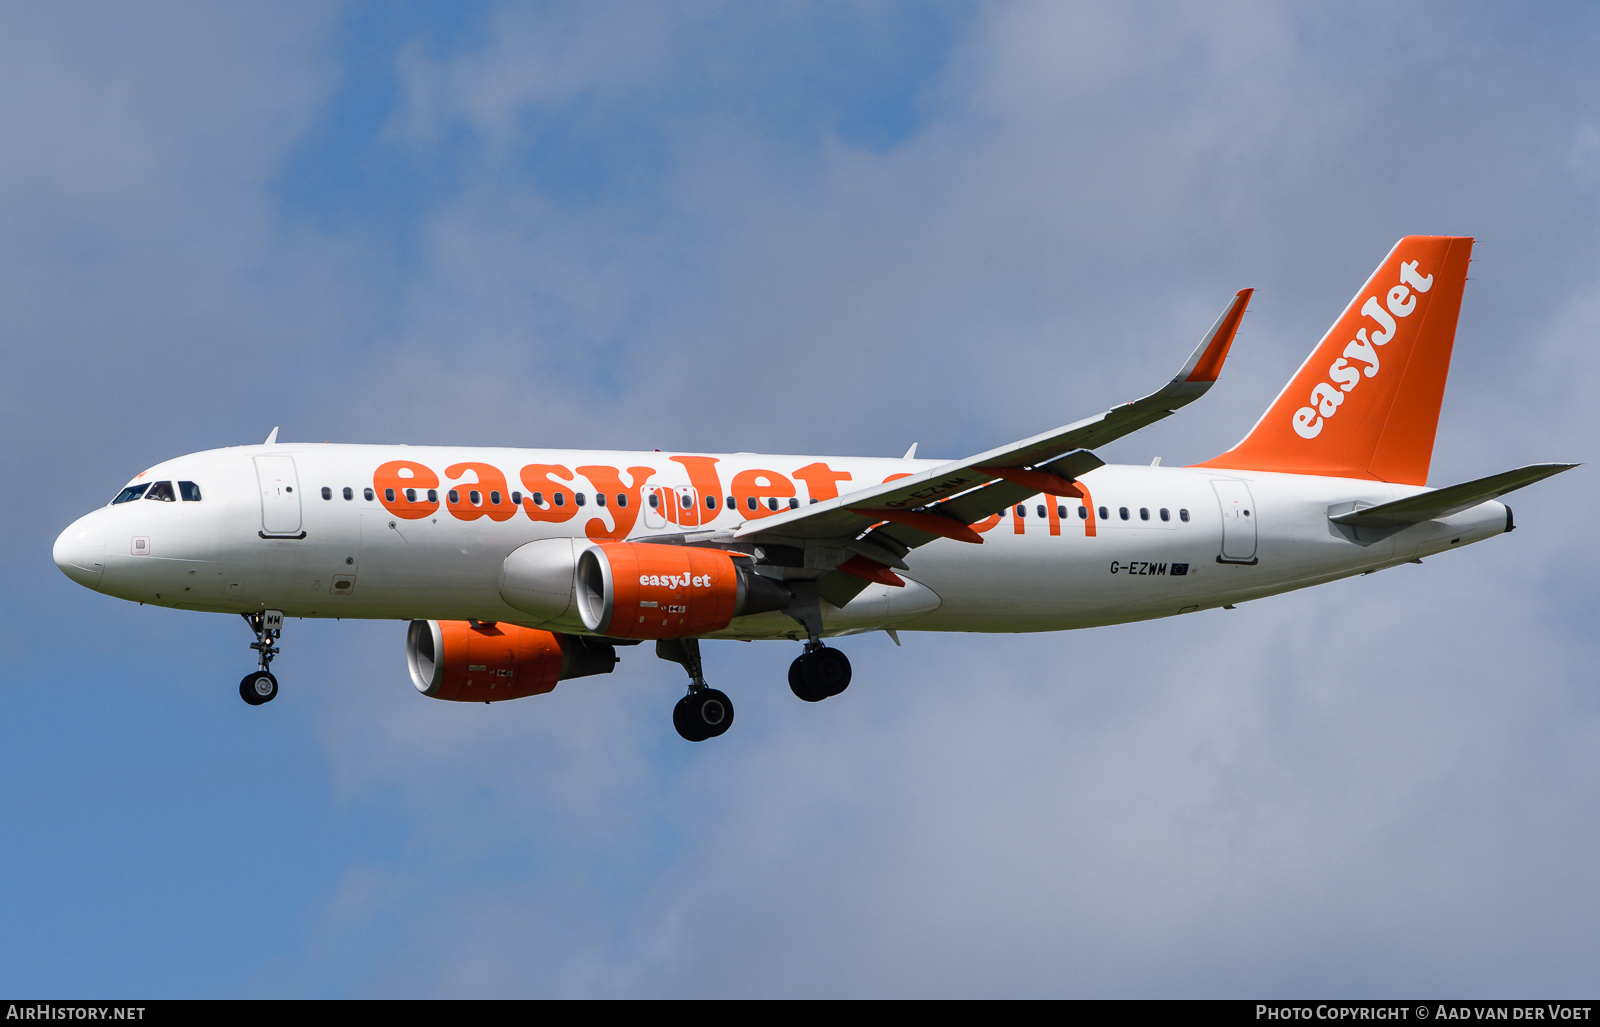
{"points": [[599, 499], [494, 499], [772, 504], [162, 490], [750, 501], [1122, 512], [433, 495], [453, 496], [1105, 515], [1061, 511], [349, 493], [130, 493], [561, 500], [388, 495], [475, 497], [711, 502], [1165, 516], [1083, 513], [733, 504], [1022, 511], [1183, 515], [411, 495], [367, 494], [794, 504], [327, 493], [516, 499], [189, 491], [1144, 513], [1040, 510], [579, 498]]}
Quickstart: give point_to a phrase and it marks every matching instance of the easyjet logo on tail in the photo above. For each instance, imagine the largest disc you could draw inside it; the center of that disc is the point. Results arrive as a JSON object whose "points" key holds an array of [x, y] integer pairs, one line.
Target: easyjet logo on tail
{"points": [[1326, 398]]}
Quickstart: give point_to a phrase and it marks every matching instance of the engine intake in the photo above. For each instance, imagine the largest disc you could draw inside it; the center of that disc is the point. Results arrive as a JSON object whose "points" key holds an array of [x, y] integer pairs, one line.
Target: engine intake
{"points": [[480, 662], [648, 590]]}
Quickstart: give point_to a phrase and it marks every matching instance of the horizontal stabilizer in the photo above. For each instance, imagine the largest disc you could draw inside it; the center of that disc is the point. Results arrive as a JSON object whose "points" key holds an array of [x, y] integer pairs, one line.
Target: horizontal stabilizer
{"points": [[1443, 502]]}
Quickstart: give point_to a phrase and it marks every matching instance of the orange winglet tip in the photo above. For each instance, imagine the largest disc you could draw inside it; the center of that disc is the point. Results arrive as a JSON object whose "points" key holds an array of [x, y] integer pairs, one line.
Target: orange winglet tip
{"points": [[1210, 364], [933, 524], [1039, 481], [872, 570]]}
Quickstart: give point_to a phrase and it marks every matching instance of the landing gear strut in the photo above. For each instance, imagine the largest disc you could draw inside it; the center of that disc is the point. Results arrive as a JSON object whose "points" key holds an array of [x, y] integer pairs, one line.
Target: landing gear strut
{"points": [[704, 712], [819, 672], [259, 686]]}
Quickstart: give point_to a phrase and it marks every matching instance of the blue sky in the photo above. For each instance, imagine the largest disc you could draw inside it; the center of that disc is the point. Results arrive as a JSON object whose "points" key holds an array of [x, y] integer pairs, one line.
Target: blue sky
{"points": [[832, 228]]}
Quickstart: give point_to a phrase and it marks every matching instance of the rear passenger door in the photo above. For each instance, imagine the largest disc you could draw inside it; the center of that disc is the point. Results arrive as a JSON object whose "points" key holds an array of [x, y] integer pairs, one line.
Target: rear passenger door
{"points": [[1238, 520]]}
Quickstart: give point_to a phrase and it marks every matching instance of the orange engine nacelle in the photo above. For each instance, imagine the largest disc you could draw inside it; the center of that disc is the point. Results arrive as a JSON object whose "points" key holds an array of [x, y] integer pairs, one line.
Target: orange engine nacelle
{"points": [[649, 590], [481, 662]]}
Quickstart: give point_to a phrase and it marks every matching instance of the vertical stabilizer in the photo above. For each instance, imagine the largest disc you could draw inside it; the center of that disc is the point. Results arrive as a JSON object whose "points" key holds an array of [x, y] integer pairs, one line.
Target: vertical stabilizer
{"points": [[1366, 402]]}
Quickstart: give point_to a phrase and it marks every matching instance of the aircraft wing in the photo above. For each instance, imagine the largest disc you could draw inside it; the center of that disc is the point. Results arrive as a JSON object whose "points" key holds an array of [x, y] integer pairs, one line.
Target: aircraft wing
{"points": [[912, 511]]}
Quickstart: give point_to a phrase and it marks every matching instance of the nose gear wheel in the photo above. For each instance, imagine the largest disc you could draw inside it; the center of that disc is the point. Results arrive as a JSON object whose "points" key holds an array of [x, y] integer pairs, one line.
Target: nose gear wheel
{"points": [[258, 687]]}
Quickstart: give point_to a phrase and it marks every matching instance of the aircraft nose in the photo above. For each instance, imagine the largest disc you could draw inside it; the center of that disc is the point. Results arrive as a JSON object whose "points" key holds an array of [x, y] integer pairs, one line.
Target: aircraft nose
{"points": [[80, 551]]}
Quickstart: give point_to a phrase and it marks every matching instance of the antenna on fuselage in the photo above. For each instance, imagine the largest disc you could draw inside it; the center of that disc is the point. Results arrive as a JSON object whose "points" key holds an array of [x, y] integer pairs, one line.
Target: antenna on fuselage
{"points": [[272, 440], [910, 453]]}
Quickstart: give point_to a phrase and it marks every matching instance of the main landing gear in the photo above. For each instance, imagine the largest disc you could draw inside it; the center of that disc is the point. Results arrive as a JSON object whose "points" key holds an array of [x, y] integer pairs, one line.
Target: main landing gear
{"points": [[704, 712], [819, 672], [259, 686]]}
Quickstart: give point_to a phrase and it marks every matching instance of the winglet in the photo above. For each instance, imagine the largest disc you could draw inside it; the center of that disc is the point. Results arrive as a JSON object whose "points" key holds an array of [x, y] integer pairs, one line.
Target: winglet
{"points": [[272, 439], [1205, 364]]}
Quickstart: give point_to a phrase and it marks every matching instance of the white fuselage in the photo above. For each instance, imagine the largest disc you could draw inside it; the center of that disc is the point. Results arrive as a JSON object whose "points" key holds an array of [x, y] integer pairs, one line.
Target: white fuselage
{"points": [[249, 545]]}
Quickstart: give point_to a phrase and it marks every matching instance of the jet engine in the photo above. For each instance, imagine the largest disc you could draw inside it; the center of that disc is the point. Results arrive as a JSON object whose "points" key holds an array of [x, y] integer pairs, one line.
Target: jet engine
{"points": [[648, 590], [477, 661]]}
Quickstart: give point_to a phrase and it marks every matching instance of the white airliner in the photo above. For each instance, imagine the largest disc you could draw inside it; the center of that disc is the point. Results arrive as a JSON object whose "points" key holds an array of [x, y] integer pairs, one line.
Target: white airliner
{"points": [[520, 568]]}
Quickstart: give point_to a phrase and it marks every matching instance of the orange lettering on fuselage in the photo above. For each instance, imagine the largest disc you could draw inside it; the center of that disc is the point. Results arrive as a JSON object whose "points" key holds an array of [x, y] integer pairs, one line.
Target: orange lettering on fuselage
{"points": [[558, 499], [703, 478], [1088, 508], [609, 483], [395, 477], [822, 481], [985, 524], [490, 484], [758, 485]]}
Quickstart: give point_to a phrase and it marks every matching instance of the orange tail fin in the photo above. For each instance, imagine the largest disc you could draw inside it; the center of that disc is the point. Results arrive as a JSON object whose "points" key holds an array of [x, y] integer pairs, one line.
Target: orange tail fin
{"points": [[1365, 404]]}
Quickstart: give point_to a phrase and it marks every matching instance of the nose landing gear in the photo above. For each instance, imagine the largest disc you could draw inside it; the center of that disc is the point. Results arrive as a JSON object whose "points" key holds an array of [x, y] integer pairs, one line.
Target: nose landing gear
{"points": [[259, 686], [705, 712]]}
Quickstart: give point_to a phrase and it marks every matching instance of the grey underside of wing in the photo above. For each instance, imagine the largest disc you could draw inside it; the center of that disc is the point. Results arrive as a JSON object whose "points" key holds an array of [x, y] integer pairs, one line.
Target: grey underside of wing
{"points": [[962, 489], [1446, 501]]}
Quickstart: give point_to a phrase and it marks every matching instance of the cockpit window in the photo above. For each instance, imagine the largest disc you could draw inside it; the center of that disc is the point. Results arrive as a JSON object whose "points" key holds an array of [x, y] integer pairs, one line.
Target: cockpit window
{"points": [[162, 490], [189, 491], [130, 493]]}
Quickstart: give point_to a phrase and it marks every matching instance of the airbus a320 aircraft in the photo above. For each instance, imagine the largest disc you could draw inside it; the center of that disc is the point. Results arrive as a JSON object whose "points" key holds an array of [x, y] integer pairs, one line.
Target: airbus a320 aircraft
{"points": [[521, 568]]}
